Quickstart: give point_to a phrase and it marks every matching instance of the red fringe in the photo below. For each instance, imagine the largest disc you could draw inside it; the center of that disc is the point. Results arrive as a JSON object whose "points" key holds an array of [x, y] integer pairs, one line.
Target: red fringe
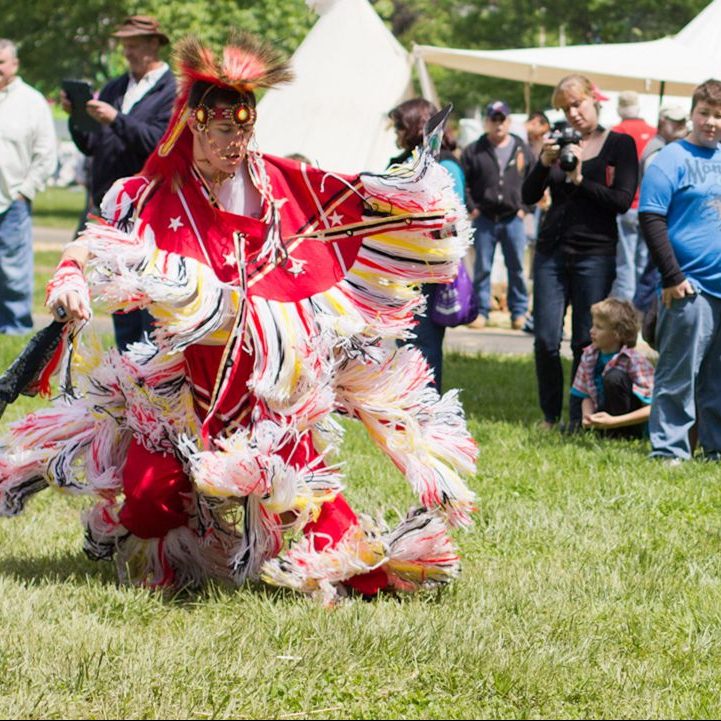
{"points": [[52, 366]]}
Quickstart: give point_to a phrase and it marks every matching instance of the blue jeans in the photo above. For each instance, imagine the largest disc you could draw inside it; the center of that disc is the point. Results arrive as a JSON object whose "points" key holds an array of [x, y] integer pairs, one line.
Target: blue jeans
{"points": [[646, 287], [687, 385], [511, 234], [429, 338], [560, 279], [631, 256], [131, 327], [16, 269]]}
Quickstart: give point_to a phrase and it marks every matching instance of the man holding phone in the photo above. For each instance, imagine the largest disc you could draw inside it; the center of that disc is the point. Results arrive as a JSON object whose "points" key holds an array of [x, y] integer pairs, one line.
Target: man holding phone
{"points": [[133, 111], [28, 157]]}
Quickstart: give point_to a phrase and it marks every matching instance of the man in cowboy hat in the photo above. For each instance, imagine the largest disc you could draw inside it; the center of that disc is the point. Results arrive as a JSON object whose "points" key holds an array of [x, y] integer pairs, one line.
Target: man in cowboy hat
{"points": [[133, 111]]}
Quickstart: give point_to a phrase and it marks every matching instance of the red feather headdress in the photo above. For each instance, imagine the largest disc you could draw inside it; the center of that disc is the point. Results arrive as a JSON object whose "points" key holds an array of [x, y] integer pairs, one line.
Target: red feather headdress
{"points": [[246, 63]]}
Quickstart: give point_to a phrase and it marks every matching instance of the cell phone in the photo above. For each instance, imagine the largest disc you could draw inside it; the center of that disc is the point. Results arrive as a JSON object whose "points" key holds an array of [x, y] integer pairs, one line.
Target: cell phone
{"points": [[79, 92]]}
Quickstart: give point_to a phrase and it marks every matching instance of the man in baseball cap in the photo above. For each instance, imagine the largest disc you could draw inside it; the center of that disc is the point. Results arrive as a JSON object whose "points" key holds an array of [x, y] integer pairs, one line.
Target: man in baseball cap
{"points": [[672, 125], [495, 167], [674, 112], [497, 108], [132, 111]]}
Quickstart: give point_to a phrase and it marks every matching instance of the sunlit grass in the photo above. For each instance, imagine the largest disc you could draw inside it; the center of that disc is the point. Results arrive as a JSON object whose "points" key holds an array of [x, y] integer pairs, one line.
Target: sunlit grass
{"points": [[590, 588], [59, 207]]}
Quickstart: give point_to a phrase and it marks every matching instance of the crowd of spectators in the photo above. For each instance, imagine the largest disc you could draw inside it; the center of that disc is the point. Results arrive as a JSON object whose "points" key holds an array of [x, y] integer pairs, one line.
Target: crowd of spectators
{"points": [[607, 223]]}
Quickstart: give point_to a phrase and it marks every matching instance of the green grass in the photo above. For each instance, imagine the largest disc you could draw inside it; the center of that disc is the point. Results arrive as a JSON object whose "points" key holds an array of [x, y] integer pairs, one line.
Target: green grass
{"points": [[45, 263], [590, 588], [59, 207]]}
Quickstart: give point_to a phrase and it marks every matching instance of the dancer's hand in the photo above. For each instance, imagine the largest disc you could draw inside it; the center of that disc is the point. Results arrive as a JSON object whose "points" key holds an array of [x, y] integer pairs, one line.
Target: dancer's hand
{"points": [[67, 295]]}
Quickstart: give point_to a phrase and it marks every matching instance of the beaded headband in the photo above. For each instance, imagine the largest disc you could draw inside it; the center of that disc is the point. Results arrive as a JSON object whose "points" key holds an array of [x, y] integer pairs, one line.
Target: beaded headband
{"points": [[241, 114]]}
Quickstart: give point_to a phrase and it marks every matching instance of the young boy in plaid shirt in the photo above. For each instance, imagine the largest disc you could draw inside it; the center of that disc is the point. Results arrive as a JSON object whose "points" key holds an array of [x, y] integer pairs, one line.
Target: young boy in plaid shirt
{"points": [[614, 380]]}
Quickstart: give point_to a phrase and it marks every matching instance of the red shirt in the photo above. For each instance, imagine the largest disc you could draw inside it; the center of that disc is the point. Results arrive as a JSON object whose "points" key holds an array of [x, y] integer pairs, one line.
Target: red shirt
{"points": [[641, 132]]}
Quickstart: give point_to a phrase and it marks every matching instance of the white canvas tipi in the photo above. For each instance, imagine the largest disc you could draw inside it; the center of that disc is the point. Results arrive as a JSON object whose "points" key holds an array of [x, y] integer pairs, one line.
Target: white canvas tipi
{"points": [[350, 71]]}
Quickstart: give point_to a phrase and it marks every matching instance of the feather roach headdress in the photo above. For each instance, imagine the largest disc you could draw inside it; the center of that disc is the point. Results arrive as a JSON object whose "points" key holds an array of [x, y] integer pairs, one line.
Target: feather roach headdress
{"points": [[246, 63]]}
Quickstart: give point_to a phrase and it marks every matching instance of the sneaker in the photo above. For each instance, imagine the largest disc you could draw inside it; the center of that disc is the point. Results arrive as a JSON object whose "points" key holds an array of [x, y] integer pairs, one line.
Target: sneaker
{"points": [[668, 461], [479, 323], [528, 325]]}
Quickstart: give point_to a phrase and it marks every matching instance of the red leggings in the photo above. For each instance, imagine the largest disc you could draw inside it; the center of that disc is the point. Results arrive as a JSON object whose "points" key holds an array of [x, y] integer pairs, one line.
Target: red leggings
{"points": [[156, 489]]}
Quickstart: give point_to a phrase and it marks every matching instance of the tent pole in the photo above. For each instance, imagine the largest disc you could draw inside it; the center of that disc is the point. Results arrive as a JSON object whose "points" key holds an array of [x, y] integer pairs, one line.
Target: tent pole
{"points": [[661, 91], [527, 97], [428, 89]]}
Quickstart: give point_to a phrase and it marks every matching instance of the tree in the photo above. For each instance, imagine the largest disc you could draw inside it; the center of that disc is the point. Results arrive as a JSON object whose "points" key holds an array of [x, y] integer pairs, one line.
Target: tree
{"points": [[57, 41], [497, 24], [62, 40]]}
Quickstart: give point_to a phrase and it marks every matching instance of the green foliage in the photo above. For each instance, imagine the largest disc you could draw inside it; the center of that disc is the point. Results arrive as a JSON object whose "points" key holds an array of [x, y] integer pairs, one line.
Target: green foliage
{"points": [[501, 24], [284, 23], [62, 39], [72, 40]]}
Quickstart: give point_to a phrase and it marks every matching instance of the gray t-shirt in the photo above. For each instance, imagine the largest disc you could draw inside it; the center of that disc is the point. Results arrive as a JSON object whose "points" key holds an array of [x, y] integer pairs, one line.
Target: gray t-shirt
{"points": [[503, 153], [649, 154]]}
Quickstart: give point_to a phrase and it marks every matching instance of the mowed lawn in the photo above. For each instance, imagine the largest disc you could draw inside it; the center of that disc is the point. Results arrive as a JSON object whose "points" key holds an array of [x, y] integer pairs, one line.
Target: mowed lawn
{"points": [[59, 207], [591, 587]]}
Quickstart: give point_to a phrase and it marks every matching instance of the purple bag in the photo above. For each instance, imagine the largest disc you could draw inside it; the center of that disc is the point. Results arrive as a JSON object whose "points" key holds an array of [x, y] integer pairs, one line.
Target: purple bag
{"points": [[455, 303]]}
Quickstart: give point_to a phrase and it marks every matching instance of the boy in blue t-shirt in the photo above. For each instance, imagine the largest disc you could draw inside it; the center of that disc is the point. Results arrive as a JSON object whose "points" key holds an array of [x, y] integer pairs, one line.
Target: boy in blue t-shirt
{"points": [[680, 213], [614, 380]]}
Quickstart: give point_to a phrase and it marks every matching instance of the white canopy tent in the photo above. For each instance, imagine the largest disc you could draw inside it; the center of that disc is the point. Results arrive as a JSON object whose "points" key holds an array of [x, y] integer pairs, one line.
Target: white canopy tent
{"points": [[669, 66], [350, 71]]}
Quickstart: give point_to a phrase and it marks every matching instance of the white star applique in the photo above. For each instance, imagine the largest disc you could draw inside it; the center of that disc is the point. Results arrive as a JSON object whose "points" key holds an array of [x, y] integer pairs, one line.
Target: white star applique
{"points": [[336, 218], [296, 266], [175, 223], [229, 258]]}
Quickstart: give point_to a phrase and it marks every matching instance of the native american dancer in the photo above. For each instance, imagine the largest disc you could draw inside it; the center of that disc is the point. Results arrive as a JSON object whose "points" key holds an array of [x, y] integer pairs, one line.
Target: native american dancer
{"points": [[278, 292]]}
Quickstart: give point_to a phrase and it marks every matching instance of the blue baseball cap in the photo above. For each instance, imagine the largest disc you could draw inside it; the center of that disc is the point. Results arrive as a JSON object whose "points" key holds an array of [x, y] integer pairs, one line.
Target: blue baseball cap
{"points": [[497, 107]]}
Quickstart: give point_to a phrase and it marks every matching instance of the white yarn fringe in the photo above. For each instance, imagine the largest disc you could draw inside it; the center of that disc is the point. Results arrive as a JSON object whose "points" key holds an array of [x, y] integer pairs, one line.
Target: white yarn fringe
{"points": [[417, 554], [423, 434]]}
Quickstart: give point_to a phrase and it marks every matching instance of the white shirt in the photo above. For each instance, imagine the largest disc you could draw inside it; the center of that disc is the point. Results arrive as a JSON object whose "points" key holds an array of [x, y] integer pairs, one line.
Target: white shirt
{"points": [[138, 89], [238, 194], [28, 145]]}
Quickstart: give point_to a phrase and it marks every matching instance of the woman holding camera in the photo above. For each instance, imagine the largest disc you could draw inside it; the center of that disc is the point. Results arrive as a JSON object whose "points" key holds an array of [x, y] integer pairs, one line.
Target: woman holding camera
{"points": [[592, 174]]}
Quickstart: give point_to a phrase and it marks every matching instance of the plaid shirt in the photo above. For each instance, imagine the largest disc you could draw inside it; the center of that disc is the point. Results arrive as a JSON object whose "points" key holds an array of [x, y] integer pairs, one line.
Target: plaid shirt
{"points": [[629, 360]]}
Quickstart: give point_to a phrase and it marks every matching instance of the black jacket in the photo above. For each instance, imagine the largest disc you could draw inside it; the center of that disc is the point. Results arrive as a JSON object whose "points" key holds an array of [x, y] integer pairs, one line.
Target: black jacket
{"points": [[496, 194], [121, 148], [582, 219]]}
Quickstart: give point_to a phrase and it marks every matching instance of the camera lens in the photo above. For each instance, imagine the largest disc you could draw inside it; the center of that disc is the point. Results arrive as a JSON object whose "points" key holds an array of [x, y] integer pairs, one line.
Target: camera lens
{"points": [[567, 160]]}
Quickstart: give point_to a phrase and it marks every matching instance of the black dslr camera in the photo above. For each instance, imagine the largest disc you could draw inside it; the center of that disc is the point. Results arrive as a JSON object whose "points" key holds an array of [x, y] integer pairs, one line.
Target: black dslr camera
{"points": [[564, 135]]}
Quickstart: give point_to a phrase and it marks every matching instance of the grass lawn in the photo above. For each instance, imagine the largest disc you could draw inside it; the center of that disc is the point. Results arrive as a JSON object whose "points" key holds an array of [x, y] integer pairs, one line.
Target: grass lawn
{"points": [[590, 588], [45, 263], [59, 207]]}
